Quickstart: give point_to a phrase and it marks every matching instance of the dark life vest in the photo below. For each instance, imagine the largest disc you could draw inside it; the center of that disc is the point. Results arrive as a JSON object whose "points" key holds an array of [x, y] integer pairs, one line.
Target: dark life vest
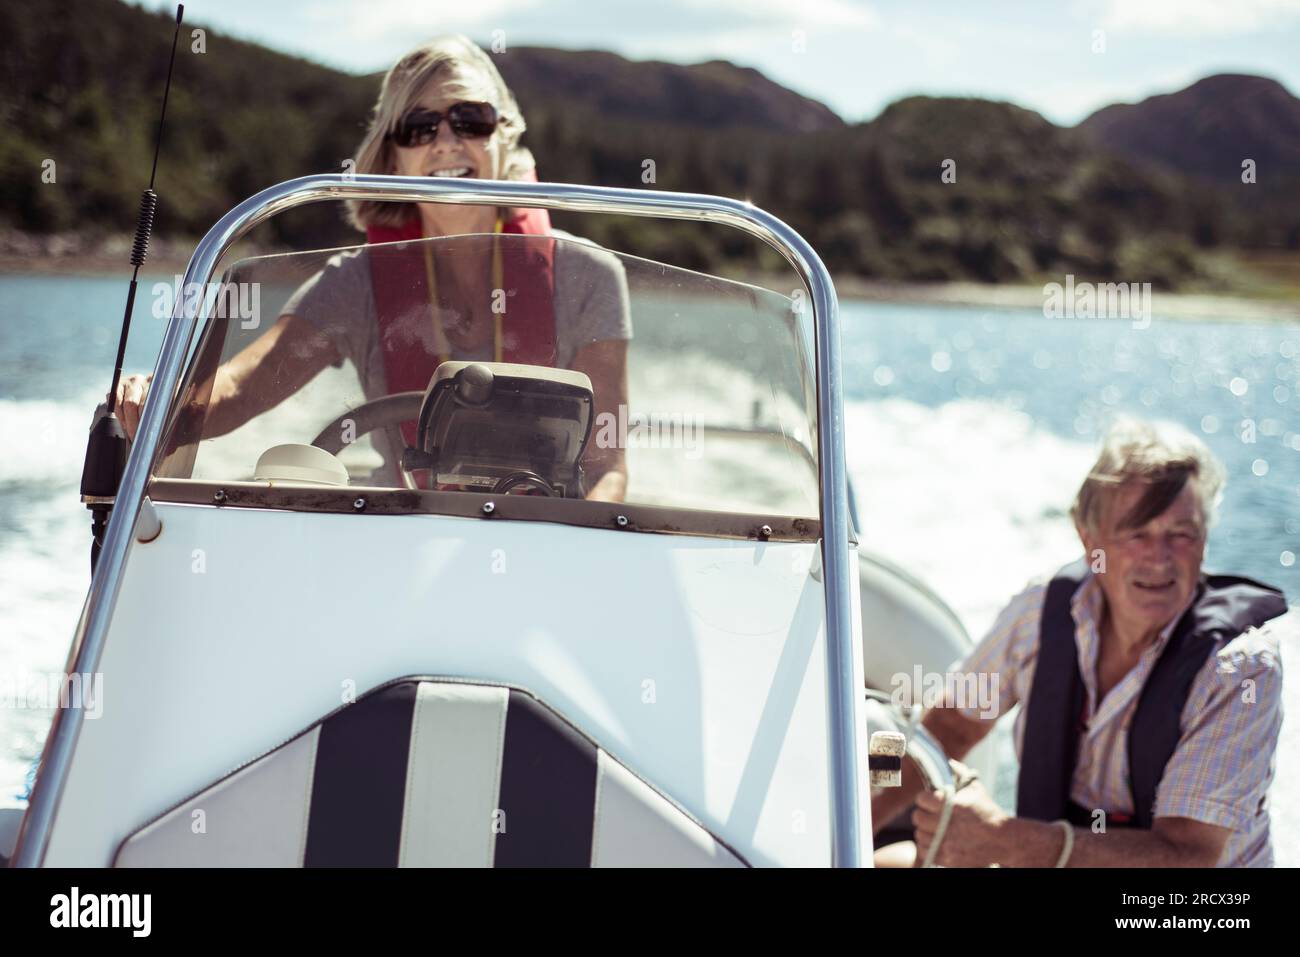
{"points": [[1224, 606], [399, 279]]}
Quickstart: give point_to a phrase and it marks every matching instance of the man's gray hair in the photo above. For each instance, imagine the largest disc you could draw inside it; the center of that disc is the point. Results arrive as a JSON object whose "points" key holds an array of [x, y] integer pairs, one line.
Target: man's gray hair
{"points": [[1161, 455]]}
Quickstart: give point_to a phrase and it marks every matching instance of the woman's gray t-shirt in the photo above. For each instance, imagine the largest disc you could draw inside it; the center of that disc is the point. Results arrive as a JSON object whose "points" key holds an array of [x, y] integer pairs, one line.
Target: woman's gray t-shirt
{"points": [[591, 305]]}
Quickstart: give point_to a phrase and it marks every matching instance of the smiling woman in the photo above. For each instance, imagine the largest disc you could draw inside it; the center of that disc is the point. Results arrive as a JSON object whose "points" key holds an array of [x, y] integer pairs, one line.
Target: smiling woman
{"points": [[399, 307], [449, 78]]}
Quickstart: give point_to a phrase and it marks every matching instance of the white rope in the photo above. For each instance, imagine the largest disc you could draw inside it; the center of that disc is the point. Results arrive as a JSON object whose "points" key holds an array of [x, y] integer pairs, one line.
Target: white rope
{"points": [[944, 816], [963, 776], [1069, 843]]}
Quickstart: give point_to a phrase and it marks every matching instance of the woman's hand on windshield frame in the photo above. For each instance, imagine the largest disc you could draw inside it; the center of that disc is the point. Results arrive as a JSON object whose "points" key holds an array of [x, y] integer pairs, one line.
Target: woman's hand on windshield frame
{"points": [[263, 374]]}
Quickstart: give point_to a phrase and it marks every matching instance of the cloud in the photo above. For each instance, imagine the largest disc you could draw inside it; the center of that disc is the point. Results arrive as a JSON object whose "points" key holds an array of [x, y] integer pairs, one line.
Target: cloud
{"points": [[677, 30], [938, 51], [1199, 17], [822, 13], [386, 21]]}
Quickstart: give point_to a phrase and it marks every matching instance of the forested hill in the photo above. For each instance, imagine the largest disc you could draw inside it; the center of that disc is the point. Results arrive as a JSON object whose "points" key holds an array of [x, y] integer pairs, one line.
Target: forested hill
{"points": [[1022, 197]]}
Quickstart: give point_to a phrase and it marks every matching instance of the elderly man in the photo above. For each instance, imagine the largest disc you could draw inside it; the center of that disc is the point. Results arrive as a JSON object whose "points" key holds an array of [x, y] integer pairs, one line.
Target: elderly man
{"points": [[1150, 693]]}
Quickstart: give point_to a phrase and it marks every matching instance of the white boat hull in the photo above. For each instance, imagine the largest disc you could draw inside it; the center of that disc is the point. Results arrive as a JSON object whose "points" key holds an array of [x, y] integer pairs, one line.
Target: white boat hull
{"points": [[698, 663]]}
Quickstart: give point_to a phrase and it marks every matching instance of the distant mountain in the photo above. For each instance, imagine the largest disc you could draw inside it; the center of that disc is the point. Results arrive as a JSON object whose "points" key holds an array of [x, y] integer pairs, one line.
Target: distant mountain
{"points": [[82, 89], [1025, 198], [1206, 132], [714, 95], [1111, 198], [1207, 129]]}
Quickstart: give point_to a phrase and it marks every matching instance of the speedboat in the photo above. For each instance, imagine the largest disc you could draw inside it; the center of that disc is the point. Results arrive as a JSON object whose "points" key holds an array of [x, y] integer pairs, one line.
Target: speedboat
{"points": [[373, 625]]}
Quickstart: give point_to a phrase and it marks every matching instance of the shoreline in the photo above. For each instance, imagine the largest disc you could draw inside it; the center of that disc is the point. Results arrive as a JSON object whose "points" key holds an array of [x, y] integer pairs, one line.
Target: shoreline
{"points": [[1175, 305], [63, 255]]}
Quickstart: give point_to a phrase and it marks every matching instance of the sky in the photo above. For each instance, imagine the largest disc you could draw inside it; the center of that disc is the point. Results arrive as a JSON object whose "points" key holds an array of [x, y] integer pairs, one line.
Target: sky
{"points": [[1063, 58]]}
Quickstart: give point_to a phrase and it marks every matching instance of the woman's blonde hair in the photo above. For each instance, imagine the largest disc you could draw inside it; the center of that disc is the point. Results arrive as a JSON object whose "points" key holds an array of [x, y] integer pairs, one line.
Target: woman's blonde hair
{"points": [[442, 56]]}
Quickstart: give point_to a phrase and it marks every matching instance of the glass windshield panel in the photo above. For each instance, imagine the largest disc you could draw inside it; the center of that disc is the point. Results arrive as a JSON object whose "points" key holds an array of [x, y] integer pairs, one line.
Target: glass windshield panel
{"points": [[507, 363]]}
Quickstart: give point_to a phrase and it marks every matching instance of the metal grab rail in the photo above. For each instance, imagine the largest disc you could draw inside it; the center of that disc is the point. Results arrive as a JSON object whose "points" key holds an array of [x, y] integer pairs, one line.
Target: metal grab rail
{"points": [[838, 575]]}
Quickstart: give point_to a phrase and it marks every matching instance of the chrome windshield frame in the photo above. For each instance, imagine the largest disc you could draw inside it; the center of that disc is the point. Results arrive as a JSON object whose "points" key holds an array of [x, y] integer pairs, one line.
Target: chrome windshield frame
{"points": [[838, 569]]}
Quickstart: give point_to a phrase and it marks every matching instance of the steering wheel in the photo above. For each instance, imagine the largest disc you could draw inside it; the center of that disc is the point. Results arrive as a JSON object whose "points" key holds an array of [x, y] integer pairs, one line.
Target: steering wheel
{"points": [[388, 411], [525, 478], [883, 714], [937, 772]]}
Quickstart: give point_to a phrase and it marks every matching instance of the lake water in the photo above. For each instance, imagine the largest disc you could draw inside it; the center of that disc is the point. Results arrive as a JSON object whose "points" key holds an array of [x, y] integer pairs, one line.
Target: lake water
{"points": [[969, 431]]}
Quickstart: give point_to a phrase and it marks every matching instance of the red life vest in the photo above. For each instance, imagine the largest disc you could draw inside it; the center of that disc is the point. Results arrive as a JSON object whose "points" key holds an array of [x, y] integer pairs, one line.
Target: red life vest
{"points": [[525, 331]]}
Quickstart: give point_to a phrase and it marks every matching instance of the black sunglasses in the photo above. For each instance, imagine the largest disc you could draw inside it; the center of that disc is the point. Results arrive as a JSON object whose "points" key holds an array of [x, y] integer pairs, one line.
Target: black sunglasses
{"points": [[469, 120]]}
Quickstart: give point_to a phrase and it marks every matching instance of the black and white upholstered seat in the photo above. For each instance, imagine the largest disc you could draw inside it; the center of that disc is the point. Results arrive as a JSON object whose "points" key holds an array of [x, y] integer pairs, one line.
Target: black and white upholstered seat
{"points": [[430, 772]]}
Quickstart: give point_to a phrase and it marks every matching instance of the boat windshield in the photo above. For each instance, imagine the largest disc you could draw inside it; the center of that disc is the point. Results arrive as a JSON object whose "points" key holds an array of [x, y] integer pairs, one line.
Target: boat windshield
{"points": [[540, 365]]}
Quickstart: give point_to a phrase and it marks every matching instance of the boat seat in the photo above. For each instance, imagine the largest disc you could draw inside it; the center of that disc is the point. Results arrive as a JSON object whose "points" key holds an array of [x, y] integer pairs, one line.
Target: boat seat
{"points": [[430, 772]]}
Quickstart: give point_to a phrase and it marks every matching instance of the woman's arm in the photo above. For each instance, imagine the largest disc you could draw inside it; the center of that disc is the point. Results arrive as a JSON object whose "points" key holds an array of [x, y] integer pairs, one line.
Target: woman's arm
{"points": [[605, 363], [265, 373]]}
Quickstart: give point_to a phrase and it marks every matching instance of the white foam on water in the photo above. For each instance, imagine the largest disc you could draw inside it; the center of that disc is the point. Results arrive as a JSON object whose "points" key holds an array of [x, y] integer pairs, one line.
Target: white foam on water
{"points": [[44, 440], [44, 573], [970, 496]]}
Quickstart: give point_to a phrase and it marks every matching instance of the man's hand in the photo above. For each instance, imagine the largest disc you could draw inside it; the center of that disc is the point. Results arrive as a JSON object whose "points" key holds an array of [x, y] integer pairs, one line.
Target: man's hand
{"points": [[975, 835], [980, 833]]}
